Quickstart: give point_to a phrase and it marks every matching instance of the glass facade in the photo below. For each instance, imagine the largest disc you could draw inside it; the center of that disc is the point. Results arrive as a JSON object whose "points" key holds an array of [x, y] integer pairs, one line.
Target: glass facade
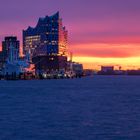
{"points": [[49, 37]]}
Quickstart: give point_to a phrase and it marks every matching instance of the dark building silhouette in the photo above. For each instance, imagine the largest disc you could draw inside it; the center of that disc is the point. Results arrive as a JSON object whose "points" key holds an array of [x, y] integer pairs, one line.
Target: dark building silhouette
{"points": [[46, 44], [47, 63], [6, 45], [1, 62], [107, 70]]}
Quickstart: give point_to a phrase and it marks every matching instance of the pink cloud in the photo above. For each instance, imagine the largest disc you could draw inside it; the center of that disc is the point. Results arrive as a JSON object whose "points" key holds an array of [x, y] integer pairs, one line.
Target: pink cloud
{"points": [[106, 50]]}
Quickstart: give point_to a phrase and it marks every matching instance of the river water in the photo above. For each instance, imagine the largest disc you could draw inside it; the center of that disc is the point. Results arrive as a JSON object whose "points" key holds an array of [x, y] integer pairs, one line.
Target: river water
{"points": [[91, 108]]}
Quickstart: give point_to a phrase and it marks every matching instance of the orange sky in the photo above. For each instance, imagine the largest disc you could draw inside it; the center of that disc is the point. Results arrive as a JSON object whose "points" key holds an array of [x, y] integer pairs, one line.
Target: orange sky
{"points": [[99, 32], [94, 55], [96, 62]]}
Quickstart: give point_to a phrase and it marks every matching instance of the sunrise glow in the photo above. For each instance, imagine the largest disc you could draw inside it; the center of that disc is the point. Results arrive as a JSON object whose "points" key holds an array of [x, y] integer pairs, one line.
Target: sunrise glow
{"points": [[99, 34]]}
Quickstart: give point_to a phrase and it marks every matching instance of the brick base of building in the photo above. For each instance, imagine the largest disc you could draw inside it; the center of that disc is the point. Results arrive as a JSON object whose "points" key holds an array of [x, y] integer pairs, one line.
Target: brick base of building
{"points": [[48, 63]]}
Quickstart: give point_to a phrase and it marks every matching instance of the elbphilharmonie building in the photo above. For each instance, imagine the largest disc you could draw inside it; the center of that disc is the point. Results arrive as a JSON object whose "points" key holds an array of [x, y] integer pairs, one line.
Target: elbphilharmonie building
{"points": [[46, 43]]}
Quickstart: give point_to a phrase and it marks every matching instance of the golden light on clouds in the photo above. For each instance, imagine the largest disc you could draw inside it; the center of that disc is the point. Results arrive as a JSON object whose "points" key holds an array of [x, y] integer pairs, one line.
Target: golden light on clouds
{"points": [[96, 62], [96, 54]]}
